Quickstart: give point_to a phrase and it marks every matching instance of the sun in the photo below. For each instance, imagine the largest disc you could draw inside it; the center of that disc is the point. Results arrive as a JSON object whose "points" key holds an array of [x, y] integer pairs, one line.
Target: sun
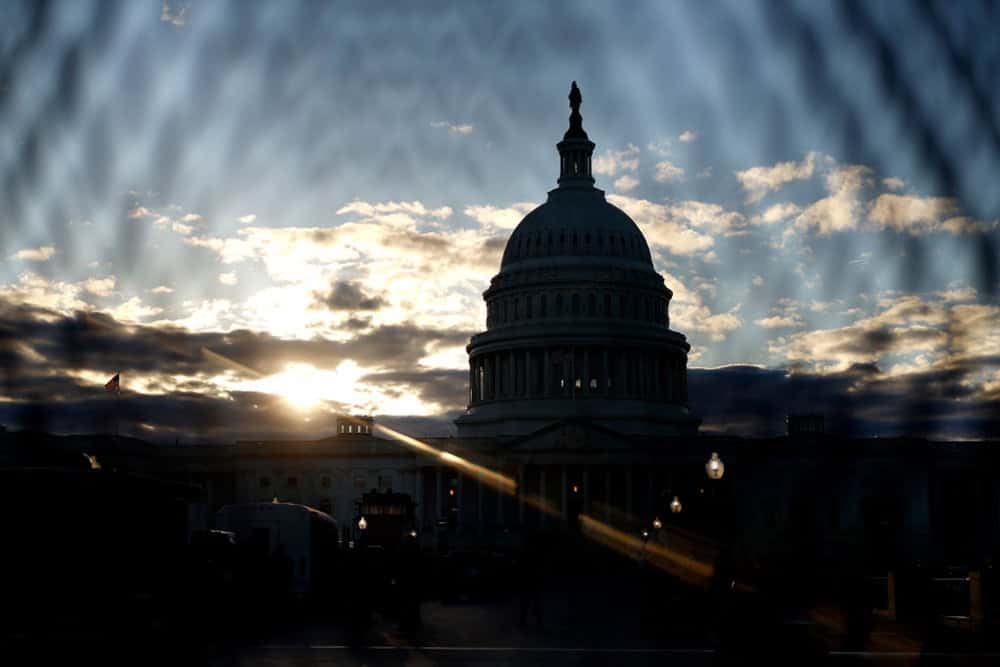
{"points": [[306, 387]]}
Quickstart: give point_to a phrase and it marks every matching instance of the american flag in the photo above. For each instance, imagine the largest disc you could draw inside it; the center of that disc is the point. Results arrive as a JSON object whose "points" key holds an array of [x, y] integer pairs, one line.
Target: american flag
{"points": [[113, 384]]}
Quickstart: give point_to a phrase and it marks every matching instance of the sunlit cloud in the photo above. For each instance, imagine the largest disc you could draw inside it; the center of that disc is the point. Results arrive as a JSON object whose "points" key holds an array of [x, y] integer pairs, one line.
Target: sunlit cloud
{"points": [[613, 162], [668, 172], [42, 254], [454, 128], [758, 181]]}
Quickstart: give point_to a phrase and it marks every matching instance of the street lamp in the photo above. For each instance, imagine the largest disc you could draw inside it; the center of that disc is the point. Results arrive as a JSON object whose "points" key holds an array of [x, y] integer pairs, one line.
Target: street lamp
{"points": [[715, 468], [362, 524], [657, 524], [675, 505]]}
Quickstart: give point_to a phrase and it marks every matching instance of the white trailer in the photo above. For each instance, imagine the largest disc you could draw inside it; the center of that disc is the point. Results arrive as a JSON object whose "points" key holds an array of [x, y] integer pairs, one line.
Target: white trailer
{"points": [[309, 538]]}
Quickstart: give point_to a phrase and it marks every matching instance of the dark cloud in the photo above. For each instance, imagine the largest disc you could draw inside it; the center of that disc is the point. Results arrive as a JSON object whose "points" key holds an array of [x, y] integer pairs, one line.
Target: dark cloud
{"points": [[753, 401], [348, 295]]}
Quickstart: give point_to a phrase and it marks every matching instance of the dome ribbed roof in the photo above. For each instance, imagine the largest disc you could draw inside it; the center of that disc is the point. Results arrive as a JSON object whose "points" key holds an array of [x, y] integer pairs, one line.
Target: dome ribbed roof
{"points": [[576, 223]]}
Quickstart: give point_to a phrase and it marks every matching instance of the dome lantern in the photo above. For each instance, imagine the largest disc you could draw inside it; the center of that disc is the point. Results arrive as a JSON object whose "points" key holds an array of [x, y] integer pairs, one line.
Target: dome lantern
{"points": [[576, 149]]}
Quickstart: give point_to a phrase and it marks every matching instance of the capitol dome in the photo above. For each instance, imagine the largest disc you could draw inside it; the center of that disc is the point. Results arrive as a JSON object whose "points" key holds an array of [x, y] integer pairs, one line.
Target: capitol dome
{"points": [[577, 324]]}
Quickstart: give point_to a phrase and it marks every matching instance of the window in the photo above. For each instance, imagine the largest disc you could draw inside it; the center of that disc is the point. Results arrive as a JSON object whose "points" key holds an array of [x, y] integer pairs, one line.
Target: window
{"points": [[324, 482], [292, 481], [265, 482]]}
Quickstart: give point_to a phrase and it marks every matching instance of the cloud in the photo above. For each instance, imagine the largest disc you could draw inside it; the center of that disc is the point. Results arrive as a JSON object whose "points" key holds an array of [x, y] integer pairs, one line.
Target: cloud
{"points": [[859, 401], [247, 219], [42, 254], [758, 181], [190, 217], [667, 172], [687, 136], [162, 289], [780, 321], [661, 227], [384, 211], [181, 228], [454, 128], [100, 286], [893, 183], [922, 215], [842, 209], [610, 163], [688, 312], [346, 295], [902, 328], [228, 278], [177, 18], [626, 183], [776, 213], [709, 216], [501, 218], [662, 147], [757, 280]]}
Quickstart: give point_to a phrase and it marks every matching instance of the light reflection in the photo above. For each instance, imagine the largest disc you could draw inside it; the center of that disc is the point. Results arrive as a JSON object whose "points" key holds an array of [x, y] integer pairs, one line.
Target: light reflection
{"points": [[485, 475], [687, 568]]}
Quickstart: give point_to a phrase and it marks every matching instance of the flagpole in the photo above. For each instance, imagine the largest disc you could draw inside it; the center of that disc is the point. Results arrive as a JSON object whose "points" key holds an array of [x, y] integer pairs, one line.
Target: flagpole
{"points": [[118, 402]]}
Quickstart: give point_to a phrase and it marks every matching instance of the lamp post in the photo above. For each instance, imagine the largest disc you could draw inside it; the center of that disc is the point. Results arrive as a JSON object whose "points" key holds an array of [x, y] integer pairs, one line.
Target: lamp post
{"points": [[715, 468], [675, 505]]}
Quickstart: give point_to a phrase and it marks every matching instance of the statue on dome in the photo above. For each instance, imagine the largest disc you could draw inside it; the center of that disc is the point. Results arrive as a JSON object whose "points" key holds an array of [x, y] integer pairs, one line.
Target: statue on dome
{"points": [[575, 119], [575, 98]]}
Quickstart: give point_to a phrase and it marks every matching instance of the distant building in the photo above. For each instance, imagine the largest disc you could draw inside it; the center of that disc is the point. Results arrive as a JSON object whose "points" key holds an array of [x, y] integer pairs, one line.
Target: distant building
{"points": [[799, 425]]}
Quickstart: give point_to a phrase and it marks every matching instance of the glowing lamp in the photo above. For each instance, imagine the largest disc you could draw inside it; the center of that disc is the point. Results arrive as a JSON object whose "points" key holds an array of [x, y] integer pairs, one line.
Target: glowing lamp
{"points": [[675, 505], [715, 468], [362, 524], [657, 524]]}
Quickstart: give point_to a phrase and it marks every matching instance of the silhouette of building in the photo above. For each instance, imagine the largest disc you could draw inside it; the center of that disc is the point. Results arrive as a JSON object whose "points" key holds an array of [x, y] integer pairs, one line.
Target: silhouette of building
{"points": [[577, 323]]}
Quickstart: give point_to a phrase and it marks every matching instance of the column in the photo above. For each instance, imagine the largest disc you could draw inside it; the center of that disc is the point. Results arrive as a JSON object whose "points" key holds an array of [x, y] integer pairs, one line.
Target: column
{"points": [[520, 493], [495, 357], [529, 373], [438, 492], [501, 499], [564, 507], [479, 505], [606, 388], [649, 492], [546, 373], [656, 376], [418, 495], [586, 489], [607, 494], [586, 371], [543, 516], [461, 505], [628, 490]]}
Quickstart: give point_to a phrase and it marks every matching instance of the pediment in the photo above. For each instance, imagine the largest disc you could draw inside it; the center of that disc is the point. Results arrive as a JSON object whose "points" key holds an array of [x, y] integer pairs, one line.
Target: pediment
{"points": [[571, 436]]}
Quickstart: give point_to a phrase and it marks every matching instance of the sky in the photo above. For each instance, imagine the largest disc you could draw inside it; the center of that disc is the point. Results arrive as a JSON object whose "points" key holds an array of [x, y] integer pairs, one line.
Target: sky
{"points": [[263, 214]]}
